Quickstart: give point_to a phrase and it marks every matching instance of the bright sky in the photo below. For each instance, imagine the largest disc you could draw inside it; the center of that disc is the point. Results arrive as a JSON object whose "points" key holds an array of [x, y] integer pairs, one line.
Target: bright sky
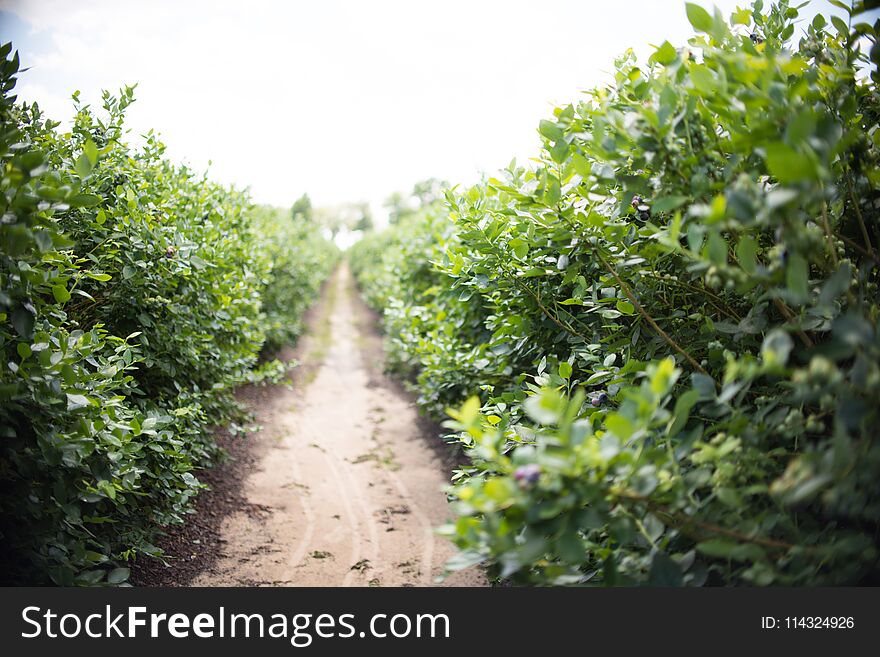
{"points": [[346, 100]]}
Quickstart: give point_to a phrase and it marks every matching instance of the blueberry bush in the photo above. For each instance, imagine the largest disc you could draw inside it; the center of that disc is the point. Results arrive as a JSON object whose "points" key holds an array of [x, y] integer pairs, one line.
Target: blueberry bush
{"points": [[666, 330], [301, 258], [135, 295], [430, 326]]}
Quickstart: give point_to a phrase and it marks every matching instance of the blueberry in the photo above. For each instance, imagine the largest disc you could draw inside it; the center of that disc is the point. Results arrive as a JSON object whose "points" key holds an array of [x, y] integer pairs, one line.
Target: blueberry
{"points": [[636, 201], [527, 475], [603, 398]]}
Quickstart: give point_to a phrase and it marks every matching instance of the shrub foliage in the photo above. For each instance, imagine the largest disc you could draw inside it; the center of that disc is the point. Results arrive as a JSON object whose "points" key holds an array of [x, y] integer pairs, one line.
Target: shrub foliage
{"points": [[135, 295], [671, 321]]}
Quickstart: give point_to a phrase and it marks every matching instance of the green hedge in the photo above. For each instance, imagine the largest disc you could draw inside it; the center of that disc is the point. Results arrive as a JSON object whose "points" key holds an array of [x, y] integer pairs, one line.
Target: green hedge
{"points": [[427, 325], [301, 260], [135, 295], [676, 347]]}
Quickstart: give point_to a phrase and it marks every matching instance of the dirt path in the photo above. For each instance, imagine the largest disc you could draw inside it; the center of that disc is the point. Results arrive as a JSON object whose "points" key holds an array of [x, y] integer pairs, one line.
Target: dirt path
{"points": [[346, 489]]}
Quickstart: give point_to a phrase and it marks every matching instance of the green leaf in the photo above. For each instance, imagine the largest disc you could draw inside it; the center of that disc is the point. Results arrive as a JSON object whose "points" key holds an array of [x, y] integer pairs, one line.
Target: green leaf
{"points": [[620, 426], [107, 488], [83, 166], [91, 152], [23, 322], [469, 411], [781, 196], [667, 203], [553, 193], [747, 253], [716, 249], [85, 200], [90, 577], [596, 377], [840, 24], [546, 407], [729, 497], [565, 370], [664, 571], [75, 401], [665, 54], [698, 17], [852, 330], [704, 385], [550, 130], [626, 307], [796, 276], [776, 347], [703, 79], [663, 375], [787, 165], [520, 249], [559, 151], [118, 576], [694, 236], [60, 293], [837, 284], [741, 17], [570, 547], [581, 165], [683, 406]]}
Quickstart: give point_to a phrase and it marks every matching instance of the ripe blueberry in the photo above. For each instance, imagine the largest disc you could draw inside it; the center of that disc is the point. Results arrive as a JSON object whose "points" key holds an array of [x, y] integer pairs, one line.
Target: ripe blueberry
{"points": [[527, 475]]}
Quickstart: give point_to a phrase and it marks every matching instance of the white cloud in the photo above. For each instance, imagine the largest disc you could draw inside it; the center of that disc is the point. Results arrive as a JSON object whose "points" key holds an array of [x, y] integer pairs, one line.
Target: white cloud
{"points": [[344, 100]]}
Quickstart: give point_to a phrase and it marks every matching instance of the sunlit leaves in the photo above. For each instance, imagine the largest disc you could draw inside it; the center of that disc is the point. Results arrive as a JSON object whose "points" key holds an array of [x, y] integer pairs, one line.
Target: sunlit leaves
{"points": [[787, 165], [665, 54], [689, 387], [101, 433], [698, 17]]}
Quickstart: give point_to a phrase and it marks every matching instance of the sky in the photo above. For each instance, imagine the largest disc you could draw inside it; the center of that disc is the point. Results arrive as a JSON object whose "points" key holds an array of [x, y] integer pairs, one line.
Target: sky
{"points": [[344, 100]]}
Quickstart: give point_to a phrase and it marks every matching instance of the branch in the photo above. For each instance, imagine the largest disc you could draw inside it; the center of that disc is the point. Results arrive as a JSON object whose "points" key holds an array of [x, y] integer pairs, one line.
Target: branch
{"points": [[648, 318]]}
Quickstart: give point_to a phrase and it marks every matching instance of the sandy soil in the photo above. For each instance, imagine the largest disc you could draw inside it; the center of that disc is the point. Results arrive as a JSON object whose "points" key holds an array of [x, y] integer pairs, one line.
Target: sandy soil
{"points": [[346, 487]]}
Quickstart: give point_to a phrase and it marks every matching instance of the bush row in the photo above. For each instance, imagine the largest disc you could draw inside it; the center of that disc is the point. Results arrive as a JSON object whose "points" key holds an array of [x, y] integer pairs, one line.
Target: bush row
{"points": [[670, 323], [135, 295]]}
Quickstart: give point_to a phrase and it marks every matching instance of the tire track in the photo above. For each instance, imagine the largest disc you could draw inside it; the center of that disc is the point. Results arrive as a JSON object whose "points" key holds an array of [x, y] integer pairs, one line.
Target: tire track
{"points": [[368, 487], [355, 535], [302, 547]]}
